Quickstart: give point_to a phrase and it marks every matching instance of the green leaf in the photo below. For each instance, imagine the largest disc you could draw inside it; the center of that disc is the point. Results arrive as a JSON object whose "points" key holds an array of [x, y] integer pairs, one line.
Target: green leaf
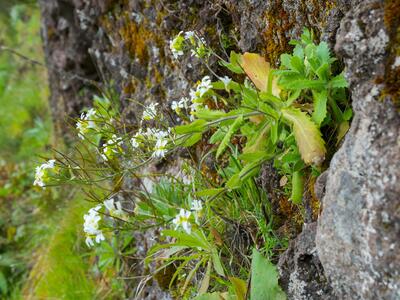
{"points": [[308, 137], [348, 113], [233, 65], [218, 135], [232, 129], [217, 263], [205, 283], [210, 115], [301, 84], [285, 60], [274, 131], [3, 284], [210, 296], [297, 64], [253, 156], [196, 126], [193, 139], [342, 130], [339, 82], [297, 187], [320, 101], [234, 182], [322, 52], [264, 279]]}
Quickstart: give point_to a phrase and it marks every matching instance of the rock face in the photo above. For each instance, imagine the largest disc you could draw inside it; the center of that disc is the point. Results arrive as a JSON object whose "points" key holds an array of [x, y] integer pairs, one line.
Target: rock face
{"points": [[121, 48], [301, 273], [359, 229]]}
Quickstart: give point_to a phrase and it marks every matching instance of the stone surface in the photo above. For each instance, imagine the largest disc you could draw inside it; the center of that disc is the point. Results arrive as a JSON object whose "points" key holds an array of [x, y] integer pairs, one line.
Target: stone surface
{"points": [[301, 273], [359, 229]]}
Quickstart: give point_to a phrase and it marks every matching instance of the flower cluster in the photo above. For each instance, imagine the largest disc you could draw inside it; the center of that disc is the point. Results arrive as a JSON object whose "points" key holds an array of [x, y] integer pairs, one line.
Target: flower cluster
{"points": [[150, 112], [190, 40], [182, 219], [93, 218], [91, 226], [196, 96], [112, 147], [42, 173], [114, 208], [86, 122]]}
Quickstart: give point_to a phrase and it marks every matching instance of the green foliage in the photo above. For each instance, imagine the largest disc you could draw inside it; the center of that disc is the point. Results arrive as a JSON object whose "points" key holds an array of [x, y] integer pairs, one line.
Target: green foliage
{"points": [[208, 207]]}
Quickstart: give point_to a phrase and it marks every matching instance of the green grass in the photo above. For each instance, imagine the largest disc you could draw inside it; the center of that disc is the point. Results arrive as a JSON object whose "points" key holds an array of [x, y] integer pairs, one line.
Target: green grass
{"points": [[60, 271]]}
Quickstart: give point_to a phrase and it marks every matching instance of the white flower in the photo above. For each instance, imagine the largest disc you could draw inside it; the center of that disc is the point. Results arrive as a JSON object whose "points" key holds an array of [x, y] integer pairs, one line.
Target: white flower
{"points": [[150, 112], [114, 208], [91, 226], [189, 35], [160, 148], [112, 147], [134, 142], [176, 106], [197, 207], [86, 122], [182, 219], [41, 172], [176, 45], [226, 80], [184, 102]]}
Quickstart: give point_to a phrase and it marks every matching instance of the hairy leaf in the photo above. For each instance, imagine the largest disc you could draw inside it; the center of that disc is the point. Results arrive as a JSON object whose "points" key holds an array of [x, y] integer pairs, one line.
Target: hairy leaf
{"points": [[308, 137]]}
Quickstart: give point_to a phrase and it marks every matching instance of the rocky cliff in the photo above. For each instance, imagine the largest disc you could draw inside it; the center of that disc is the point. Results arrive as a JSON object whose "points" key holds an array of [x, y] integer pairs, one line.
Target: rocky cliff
{"points": [[122, 48]]}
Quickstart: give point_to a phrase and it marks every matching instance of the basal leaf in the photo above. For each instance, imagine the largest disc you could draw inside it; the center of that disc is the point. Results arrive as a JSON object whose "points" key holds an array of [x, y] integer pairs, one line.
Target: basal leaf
{"points": [[257, 69], [264, 279], [308, 137], [320, 100]]}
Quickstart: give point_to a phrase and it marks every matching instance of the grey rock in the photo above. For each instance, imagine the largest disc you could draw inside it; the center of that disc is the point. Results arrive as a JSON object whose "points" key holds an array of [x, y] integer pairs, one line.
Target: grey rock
{"points": [[301, 273], [359, 230]]}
